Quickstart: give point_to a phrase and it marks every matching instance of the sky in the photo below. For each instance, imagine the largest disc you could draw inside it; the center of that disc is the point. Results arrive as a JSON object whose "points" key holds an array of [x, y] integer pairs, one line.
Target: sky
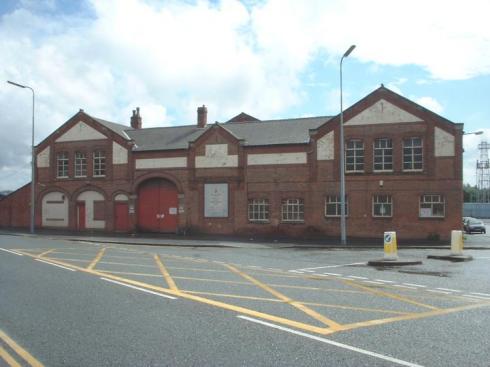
{"points": [[270, 59]]}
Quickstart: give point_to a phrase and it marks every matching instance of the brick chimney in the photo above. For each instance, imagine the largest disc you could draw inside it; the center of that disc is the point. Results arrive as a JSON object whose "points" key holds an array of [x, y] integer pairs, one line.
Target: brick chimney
{"points": [[202, 116], [136, 119]]}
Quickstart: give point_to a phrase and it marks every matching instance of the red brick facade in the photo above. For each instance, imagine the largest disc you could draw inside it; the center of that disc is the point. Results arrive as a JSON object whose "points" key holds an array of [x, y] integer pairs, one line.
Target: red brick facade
{"points": [[311, 182]]}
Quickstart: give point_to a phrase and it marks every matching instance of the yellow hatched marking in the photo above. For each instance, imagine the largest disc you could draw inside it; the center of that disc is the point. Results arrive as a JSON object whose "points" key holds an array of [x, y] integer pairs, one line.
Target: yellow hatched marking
{"points": [[8, 358], [165, 274], [127, 273], [413, 316], [20, 351], [390, 295], [97, 259], [46, 252], [332, 324], [304, 303], [277, 319]]}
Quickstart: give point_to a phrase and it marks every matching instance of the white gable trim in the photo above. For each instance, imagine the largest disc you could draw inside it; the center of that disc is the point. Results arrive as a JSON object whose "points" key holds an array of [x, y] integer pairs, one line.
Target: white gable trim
{"points": [[382, 112], [79, 132]]}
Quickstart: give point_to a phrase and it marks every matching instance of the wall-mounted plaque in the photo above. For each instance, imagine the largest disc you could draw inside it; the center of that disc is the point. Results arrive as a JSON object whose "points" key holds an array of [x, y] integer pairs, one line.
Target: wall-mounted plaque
{"points": [[216, 200]]}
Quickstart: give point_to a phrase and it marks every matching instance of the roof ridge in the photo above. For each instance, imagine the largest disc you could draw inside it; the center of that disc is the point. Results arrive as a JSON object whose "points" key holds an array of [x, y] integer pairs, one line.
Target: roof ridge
{"points": [[280, 119]]}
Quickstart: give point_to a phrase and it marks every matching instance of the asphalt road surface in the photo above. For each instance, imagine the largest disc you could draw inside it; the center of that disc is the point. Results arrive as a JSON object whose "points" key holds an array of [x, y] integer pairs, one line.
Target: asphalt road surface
{"points": [[67, 303]]}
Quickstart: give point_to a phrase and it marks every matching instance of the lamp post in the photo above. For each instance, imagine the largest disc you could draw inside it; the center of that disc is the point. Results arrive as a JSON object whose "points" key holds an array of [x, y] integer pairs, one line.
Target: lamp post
{"points": [[33, 159], [343, 231]]}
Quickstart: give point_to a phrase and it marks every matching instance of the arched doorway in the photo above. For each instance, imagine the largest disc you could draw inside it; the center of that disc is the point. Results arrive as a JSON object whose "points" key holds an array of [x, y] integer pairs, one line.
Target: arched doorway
{"points": [[157, 206]]}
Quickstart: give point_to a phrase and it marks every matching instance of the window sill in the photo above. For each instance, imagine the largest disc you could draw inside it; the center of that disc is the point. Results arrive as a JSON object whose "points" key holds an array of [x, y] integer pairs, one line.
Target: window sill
{"points": [[432, 218], [258, 221], [293, 222]]}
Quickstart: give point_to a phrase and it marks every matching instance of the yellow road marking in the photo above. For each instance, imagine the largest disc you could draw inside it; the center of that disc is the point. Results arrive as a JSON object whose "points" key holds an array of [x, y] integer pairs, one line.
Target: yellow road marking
{"points": [[390, 295], [332, 324], [19, 350], [305, 303], [165, 273], [226, 306], [413, 316], [97, 259], [269, 317], [8, 358], [62, 258], [127, 273], [45, 253]]}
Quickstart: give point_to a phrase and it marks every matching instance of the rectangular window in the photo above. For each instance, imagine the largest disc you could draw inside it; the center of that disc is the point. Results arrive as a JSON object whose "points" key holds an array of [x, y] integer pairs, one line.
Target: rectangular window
{"points": [[412, 154], [332, 206], [99, 163], [258, 210], [80, 164], [354, 156], [383, 155], [432, 206], [382, 206], [62, 165], [292, 210]]}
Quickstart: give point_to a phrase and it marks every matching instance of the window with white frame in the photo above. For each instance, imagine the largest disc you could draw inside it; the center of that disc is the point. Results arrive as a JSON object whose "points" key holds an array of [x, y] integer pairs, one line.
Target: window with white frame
{"points": [[99, 163], [292, 210], [62, 165], [354, 156], [383, 155], [80, 164], [258, 210], [412, 154], [333, 206], [382, 206], [432, 206]]}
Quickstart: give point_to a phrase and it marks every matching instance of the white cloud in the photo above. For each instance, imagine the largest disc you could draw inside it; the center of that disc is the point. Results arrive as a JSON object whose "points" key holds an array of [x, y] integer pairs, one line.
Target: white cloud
{"points": [[430, 103]]}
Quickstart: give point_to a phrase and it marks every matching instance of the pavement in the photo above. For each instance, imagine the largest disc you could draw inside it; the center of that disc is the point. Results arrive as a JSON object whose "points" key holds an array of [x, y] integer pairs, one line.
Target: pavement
{"points": [[472, 242]]}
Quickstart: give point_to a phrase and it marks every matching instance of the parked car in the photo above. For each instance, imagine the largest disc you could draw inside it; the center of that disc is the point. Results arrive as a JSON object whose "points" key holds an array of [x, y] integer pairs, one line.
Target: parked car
{"points": [[474, 225]]}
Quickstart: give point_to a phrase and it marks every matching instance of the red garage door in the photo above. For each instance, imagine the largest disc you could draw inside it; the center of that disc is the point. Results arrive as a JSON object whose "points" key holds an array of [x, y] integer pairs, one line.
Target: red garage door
{"points": [[157, 206]]}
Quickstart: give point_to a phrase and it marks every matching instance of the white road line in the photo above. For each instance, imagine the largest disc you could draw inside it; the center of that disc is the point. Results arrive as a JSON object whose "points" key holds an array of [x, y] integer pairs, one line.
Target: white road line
{"points": [[330, 266], [448, 289], [477, 297], [138, 288], [331, 342], [295, 271], [372, 282], [480, 294], [403, 286], [10, 251], [436, 291], [58, 266], [384, 281], [415, 285], [334, 274], [356, 277]]}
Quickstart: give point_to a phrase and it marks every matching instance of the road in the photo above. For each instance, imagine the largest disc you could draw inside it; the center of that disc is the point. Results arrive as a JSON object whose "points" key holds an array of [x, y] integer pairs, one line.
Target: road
{"points": [[67, 303]]}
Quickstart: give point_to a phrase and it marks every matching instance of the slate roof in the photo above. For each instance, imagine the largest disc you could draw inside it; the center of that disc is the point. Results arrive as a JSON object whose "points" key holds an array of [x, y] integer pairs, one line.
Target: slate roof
{"points": [[117, 128], [253, 133]]}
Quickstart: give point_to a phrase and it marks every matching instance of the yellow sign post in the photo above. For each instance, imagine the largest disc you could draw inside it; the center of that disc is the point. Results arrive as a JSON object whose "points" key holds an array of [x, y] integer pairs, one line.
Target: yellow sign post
{"points": [[390, 246]]}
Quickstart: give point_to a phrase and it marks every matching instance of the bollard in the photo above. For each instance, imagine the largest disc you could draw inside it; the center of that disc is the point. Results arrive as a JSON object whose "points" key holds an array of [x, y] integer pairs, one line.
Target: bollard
{"points": [[457, 243], [391, 250]]}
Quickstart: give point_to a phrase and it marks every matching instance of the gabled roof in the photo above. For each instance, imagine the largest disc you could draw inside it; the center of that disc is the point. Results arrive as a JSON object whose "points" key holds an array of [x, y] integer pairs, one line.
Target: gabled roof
{"points": [[119, 129], [165, 138], [242, 117]]}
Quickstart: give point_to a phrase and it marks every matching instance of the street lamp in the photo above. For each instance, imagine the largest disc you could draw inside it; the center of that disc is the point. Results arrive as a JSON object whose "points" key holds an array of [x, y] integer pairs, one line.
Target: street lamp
{"points": [[343, 231], [479, 132], [33, 158]]}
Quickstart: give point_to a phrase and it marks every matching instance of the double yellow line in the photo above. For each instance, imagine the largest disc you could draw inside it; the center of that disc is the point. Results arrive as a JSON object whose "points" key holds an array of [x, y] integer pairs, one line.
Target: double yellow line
{"points": [[20, 352]]}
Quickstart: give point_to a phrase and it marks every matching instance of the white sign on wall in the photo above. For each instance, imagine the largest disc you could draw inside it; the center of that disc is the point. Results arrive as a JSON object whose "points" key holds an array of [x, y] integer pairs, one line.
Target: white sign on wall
{"points": [[216, 200]]}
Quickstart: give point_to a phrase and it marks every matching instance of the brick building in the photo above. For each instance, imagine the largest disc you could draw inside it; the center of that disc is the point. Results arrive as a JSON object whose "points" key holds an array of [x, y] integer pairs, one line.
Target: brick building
{"points": [[246, 176]]}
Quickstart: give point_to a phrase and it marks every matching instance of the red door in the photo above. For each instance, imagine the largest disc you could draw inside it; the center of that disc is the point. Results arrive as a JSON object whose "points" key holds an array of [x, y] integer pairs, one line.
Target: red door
{"points": [[157, 206], [121, 217], [80, 215]]}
